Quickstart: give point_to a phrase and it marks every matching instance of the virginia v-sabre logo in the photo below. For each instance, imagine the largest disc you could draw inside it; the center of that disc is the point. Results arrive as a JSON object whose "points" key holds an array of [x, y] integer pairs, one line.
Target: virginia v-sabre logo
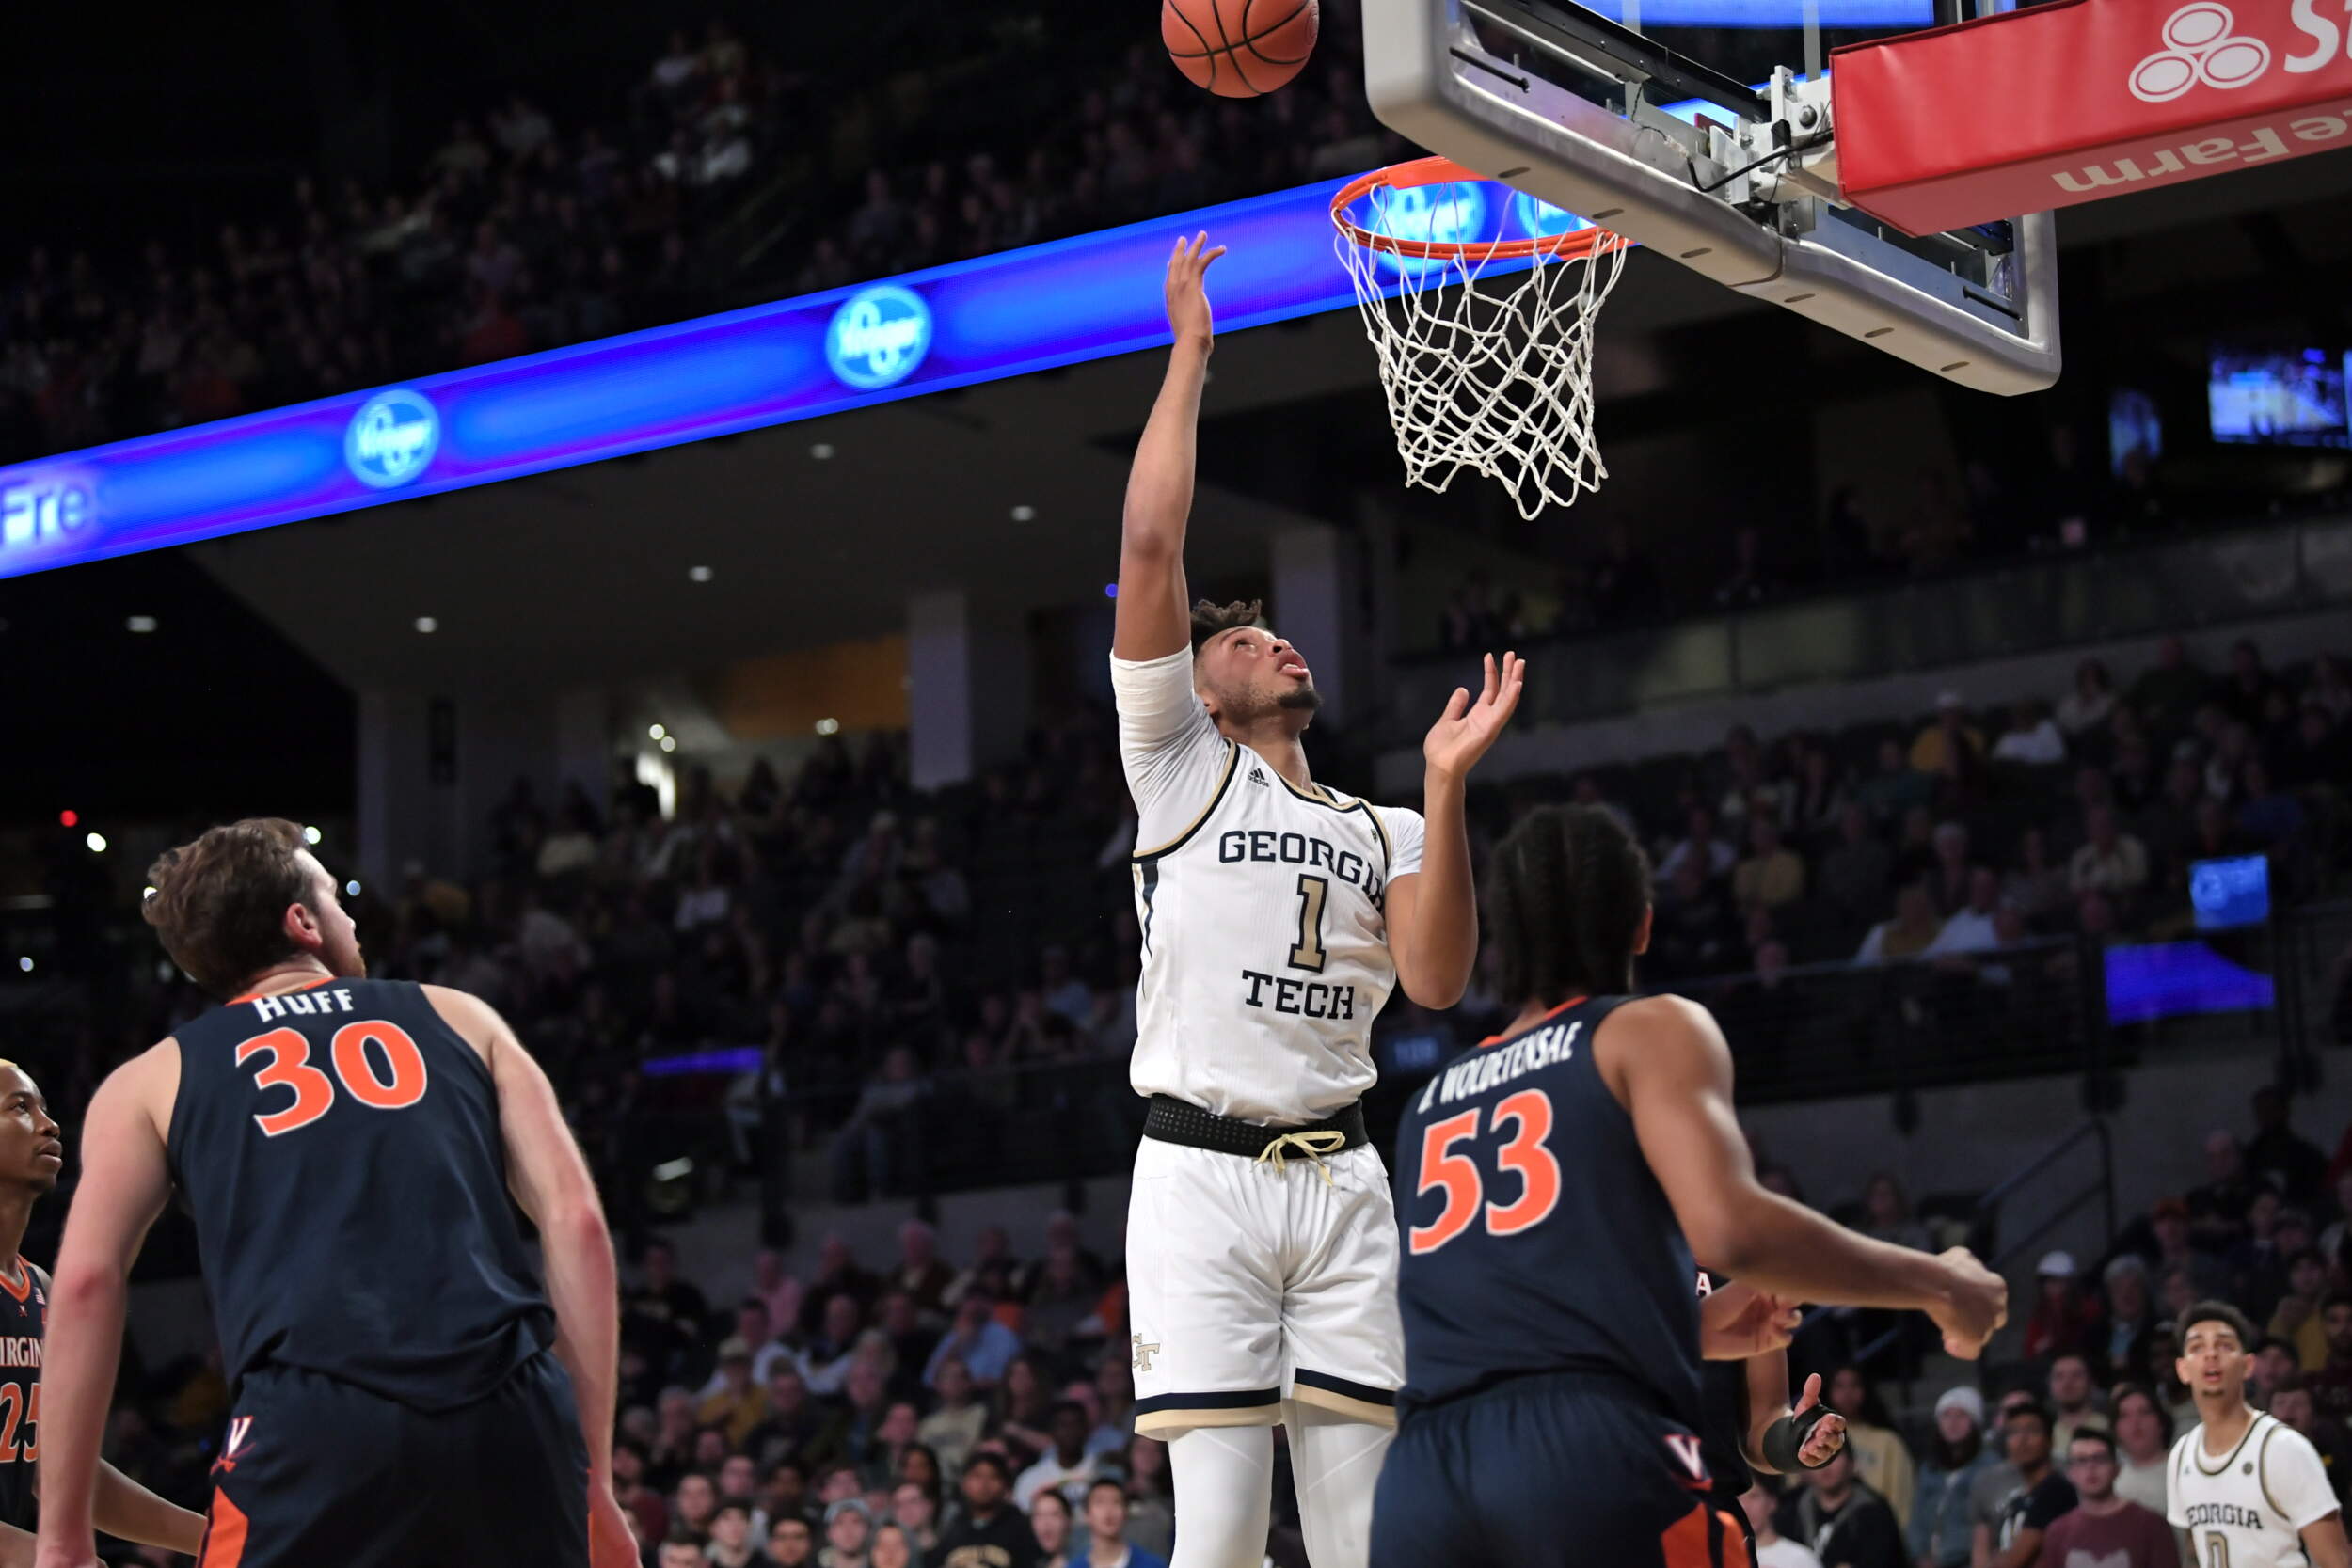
{"points": [[392, 438], [879, 337]]}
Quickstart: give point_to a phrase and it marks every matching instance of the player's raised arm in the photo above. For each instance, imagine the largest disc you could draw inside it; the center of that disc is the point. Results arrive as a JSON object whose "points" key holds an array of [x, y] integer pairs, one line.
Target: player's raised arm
{"points": [[1668, 1062], [1154, 617], [1433, 914], [551, 1181], [125, 1182]]}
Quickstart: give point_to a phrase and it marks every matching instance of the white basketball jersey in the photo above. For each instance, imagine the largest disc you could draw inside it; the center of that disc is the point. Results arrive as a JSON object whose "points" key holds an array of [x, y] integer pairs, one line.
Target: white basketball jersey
{"points": [[1265, 952], [2247, 1508]]}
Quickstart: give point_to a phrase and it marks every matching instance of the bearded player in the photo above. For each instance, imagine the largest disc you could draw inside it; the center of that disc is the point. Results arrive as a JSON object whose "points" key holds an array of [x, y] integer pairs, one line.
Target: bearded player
{"points": [[1277, 916]]}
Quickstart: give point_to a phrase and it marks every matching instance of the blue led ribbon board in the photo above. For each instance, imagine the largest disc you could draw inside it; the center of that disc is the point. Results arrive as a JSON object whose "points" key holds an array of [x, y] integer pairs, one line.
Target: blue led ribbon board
{"points": [[1085, 298]]}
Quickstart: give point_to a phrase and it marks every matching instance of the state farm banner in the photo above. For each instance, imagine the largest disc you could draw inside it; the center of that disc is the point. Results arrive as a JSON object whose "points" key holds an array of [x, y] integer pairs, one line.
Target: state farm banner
{"points": [[2082, 99]]}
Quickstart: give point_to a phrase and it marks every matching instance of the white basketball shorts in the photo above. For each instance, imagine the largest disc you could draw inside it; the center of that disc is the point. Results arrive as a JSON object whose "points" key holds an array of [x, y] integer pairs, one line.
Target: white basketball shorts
{"points": [[1250, 1284]]}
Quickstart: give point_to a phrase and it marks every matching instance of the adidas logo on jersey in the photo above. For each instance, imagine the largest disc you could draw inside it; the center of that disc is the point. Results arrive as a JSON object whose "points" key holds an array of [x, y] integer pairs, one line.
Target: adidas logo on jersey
{"points": [[1257, 776]]}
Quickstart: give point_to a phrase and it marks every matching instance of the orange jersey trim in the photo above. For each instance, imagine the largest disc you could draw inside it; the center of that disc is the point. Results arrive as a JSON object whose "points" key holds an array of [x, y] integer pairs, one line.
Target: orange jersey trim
{"points": [[1498, 1040], [224, 1534], [22, 1286], [257, 995]]}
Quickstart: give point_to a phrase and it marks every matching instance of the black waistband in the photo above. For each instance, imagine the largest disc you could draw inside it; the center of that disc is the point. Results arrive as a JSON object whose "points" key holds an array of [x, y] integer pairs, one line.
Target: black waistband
{"points": [[1180, 1121]]}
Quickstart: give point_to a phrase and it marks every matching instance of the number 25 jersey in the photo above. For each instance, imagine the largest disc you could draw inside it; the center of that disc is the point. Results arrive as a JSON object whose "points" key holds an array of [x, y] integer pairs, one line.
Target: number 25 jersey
{"points": [[340, 1149], [1263, 909]]}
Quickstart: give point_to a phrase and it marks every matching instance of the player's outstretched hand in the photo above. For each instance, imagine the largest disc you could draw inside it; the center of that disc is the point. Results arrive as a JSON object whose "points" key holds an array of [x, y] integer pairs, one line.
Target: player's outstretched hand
{"points": [[1187, 297], [610, 1542], [1828, 1435], [1462, 733], [1738, 1320], [1975, 1307]]}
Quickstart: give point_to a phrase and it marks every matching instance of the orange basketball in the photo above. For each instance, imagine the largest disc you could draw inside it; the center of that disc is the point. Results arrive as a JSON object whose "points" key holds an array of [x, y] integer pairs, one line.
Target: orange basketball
{"points": [[1238, 48]]}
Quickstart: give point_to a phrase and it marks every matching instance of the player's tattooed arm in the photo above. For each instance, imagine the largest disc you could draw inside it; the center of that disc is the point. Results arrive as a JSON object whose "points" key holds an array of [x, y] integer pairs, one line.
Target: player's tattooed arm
{"points": [[1433, 912], [1152, 616]]}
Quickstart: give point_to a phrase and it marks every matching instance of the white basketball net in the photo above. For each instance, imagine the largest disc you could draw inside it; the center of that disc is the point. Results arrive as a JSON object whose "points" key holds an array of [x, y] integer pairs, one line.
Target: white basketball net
{"points": [[1494, 376]]}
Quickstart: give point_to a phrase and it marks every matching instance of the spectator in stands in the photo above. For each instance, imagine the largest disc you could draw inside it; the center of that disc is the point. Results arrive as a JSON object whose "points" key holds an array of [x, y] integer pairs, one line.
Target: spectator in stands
{"points": [[1882, 1463], [2274, 1359], [2319, 752], [1817, 796], [2331, 1384], [2074, 1398], [2217, 1211], [1696, 930], [914, 1508], [1701, 845], [2032, 738], [1975, 925], [1773, 1549], [878, 1149], [1887, 1216], [1940, 1534], [2291, 1400], [738, 1403], [1049, 1525], [731, 1538], [849, 1533], [2143, 1438], [2087, 707], [1858, 875], [2035, 887], [2109, 861], [1895, 786], [2062, 1321], [1844, 1522], [2244, 692], [2166, 692], [662, 1318], [1951, 747], [921, 1274], [2265, 815], [2104, 1527], [1107, 1545], [2040, 1496], [993, 1531], [1773, 874], [1067, 1466], [1908, 934], [790, 1542]]}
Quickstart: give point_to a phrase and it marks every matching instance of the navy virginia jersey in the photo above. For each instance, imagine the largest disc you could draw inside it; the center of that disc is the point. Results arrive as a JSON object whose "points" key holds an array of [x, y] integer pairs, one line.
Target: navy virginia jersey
{"points": [[1536, 1238], [23, 1318], [339, 1148]]}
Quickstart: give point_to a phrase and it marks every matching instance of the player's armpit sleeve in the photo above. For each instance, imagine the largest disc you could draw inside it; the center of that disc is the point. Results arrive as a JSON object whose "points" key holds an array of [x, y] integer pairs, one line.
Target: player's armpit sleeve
{"points": [[1407, 831], [2295, 1479], [1168, 745]]}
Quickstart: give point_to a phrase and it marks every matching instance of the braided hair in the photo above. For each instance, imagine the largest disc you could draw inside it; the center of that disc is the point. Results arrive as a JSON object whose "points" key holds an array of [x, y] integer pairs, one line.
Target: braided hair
{"points": [[1210, 619], [1565, 892]]}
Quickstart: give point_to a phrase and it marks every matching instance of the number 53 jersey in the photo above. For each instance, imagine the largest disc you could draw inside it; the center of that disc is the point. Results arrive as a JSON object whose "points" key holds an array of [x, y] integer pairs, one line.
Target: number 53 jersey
{"points": [[1263, 915]]}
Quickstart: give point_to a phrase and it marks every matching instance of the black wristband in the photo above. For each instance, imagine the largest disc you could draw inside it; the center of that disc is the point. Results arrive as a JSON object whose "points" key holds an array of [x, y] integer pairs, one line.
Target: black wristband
{"points": [[1785, 1437]]}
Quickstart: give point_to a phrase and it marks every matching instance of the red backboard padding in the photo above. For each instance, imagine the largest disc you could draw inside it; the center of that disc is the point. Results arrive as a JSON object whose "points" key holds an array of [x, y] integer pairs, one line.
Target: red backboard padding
{"points": [[2083, 98]]}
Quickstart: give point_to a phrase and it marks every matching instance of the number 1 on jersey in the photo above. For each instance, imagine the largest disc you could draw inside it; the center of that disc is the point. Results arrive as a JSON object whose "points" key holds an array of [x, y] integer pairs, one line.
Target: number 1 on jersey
{"points": [[1312, 892]]}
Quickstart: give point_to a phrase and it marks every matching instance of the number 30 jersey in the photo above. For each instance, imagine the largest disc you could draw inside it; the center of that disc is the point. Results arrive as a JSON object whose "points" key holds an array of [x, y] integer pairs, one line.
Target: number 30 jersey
{"points": [[1536, 1239], [340, 1149], [1263, 909]]}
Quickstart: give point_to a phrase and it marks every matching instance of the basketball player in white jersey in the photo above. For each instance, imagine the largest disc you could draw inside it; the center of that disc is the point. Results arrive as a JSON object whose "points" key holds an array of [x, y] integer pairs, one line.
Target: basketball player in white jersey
{"points": [[1277, 916], [2247, 1490]]}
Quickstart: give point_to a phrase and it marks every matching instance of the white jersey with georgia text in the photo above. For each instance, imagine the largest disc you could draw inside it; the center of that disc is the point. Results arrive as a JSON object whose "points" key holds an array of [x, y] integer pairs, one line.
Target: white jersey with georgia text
{"points": [[1265, 952], [2247, 1508]]}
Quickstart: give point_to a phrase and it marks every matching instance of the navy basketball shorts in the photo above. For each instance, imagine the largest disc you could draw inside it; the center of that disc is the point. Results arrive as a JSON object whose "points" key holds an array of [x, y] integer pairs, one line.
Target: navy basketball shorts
{"points": [[1555, 1471], [315, 1472]]}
